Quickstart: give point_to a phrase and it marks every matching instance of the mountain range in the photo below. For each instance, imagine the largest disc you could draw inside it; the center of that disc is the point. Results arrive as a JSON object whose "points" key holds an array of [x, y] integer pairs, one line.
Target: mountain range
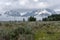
{"points": [[27, 12], [41, 13]]}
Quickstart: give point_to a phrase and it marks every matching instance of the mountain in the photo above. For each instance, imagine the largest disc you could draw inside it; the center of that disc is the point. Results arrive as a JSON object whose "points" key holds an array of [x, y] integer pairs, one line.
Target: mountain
{"points": [[19, 14], [13, 13], [26, 12]]}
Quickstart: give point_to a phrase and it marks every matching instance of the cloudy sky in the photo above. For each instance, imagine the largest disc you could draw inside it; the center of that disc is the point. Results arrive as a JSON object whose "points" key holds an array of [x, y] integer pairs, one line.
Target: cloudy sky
{"points": [[29, 4]]}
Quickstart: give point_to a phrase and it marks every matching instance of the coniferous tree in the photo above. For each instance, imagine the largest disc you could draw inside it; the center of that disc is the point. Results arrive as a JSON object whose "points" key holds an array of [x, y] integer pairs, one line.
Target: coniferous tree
{"points": [[55, 17], [23, 20], [31, 18]]}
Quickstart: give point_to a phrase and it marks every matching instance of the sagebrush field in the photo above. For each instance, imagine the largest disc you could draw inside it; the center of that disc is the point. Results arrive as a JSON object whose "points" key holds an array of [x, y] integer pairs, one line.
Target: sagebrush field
{"points": [[30, 30]]}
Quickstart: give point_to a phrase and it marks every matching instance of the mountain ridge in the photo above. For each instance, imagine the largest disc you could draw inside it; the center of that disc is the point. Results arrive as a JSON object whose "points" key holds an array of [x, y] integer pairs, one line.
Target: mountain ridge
{"points": [[25, 13], [29, 12]]}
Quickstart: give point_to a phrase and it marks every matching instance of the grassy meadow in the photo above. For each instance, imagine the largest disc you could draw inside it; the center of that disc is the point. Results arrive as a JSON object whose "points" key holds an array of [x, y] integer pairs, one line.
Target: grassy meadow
{"points": [[30, 30]]}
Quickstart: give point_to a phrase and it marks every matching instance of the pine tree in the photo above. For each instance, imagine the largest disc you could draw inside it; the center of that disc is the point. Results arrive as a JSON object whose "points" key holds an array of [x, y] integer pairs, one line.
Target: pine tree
{"points": [[31, 18]]}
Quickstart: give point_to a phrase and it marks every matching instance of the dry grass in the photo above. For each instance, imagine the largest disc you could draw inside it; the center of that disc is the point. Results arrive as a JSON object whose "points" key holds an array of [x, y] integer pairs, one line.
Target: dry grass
{"points": [[30, 30]]}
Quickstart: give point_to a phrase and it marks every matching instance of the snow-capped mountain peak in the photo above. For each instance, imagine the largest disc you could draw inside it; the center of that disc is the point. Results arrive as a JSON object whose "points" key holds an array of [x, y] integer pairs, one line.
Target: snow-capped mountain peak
{"points": [[44, 12], [23, 13]]}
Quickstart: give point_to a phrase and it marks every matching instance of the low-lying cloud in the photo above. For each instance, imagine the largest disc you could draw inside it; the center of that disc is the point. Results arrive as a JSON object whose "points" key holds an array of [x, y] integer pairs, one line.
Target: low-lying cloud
{"points": [[28, 3]]}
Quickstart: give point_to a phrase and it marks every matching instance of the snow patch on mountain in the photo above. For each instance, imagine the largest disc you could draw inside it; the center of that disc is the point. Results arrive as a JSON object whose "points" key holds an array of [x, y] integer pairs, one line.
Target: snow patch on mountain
{"points": [[57, 11], [23, 13], [44, 12]]}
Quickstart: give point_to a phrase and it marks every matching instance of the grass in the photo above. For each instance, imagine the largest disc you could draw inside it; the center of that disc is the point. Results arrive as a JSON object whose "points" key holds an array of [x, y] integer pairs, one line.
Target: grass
{"points": [[30, 30]]}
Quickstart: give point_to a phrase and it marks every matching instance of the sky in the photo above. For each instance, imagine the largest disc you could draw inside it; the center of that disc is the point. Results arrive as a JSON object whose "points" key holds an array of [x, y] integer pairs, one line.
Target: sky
{"points": [[29, 4]]}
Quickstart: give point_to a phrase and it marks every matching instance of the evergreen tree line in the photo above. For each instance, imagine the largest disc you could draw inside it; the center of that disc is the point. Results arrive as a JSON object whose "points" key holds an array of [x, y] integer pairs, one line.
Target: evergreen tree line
{"points": [[31, 18], [54, 17]]}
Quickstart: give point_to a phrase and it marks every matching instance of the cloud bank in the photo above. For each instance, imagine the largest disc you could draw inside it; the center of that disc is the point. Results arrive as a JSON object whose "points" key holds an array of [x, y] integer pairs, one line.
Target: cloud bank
{"points": [[28, 4], [23, 4]]}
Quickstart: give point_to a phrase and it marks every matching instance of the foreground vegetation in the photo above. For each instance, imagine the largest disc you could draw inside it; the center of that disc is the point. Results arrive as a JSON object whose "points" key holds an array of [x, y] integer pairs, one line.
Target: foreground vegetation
{"points": [[30, 30]]}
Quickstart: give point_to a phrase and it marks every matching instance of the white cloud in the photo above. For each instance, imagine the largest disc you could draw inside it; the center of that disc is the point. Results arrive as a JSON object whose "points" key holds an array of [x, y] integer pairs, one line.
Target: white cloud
{"points": [[37, 5], [32, 4], [8, 3], [23, 2], [42, 4], [28, 3], [5, 3], [35, 0]]}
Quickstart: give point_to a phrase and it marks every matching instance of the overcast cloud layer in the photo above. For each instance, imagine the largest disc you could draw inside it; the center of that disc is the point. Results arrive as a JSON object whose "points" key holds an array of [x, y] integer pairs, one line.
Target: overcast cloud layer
{"points": [[29, 4]]}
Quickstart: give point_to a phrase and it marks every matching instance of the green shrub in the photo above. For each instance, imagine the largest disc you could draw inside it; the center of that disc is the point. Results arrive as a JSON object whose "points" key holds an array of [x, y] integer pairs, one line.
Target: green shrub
{"points": [[50, 32], [20, 30], [0, 24], [7, 25]]}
